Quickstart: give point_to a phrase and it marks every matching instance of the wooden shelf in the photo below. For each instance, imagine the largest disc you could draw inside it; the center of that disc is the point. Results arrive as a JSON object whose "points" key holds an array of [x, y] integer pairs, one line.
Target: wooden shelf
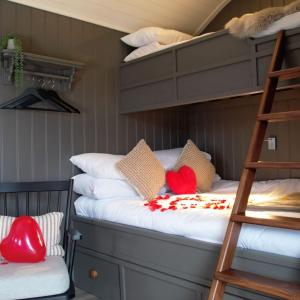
{"points": [[42, 67], [45, 59]]}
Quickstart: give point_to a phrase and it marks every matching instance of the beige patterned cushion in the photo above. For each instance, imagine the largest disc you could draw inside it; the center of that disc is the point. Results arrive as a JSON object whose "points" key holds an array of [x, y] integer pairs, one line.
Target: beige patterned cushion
{"points": [[205, 171], [143, 170]]}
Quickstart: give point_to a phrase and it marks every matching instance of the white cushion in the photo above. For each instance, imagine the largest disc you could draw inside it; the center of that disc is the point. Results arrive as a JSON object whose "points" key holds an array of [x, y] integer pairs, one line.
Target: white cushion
{"points": [[99, 165], [168, 158], [100, 188], [285, 23], [103, 165], [50, 227], [147, 35], [19, 281], [144, 50]]}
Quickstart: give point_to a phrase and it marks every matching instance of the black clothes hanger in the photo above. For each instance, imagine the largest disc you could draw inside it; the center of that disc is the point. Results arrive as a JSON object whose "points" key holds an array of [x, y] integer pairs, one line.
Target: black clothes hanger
{"points": [[34, 95], [56, 98]]}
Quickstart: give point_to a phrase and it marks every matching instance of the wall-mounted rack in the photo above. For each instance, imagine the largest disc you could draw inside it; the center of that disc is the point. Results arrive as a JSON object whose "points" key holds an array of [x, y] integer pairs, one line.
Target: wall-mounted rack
{"points": [[41, 66]]}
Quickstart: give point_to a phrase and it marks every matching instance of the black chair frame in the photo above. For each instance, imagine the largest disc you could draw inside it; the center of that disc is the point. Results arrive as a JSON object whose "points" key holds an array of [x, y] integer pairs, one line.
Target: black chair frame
{"points": [[37, 199]]}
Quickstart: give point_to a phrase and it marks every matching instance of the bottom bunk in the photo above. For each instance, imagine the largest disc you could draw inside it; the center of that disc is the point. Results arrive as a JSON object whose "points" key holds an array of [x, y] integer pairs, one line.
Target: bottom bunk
{"points": [[115, 261], [121, 261]]}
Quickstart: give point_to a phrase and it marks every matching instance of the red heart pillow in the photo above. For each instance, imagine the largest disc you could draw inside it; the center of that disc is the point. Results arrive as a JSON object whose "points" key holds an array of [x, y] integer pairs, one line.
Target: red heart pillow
{"points": [[24, 243], [183, 181]]}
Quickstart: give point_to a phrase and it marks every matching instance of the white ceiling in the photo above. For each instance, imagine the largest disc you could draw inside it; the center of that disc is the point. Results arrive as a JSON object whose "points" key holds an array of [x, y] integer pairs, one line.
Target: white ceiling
{"points": [[190, 16]]}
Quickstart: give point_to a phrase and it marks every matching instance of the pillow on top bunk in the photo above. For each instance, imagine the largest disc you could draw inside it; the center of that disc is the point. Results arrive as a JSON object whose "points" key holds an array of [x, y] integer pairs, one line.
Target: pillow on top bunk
{"points": [[102, 188], [145, 50], [143, 170], [50, 226], [192, 157], [147, 35]]}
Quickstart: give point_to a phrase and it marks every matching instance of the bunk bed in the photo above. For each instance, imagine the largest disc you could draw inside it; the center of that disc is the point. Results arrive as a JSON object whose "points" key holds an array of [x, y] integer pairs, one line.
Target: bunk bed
{"points": [[116, 260], [215, 66], [139, 254]]}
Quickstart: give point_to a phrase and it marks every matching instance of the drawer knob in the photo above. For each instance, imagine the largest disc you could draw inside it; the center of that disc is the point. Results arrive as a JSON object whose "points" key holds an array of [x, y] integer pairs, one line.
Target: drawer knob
{"points": [[93, 274]]}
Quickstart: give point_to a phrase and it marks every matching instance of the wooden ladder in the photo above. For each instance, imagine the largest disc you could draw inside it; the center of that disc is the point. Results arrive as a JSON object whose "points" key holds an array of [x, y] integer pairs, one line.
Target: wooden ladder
{"points": [[224, 273]]}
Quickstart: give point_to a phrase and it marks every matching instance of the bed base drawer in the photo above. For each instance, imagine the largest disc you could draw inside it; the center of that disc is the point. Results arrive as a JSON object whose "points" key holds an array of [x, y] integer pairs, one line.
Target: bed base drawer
{"points": [[97, 276]]}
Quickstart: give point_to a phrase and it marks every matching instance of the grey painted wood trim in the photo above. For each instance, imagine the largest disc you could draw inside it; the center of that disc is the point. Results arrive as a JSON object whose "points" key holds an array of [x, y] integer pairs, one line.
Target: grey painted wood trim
{"points": [[246, 63], [179, 258]]}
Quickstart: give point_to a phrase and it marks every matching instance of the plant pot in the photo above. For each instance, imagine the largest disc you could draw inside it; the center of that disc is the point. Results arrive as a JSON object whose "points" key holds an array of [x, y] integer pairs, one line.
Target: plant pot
{"points": [[11, 44]]}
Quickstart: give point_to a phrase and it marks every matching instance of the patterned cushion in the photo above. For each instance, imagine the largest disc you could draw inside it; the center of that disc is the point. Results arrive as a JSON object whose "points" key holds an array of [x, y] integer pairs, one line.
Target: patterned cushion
{"points": [[50, 227], [205, 171], [143, 170]]}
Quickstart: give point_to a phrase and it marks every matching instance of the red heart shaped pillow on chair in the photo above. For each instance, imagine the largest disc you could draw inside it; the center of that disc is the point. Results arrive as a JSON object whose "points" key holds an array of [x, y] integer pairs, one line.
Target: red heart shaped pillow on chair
{"points": [[183, 181]]}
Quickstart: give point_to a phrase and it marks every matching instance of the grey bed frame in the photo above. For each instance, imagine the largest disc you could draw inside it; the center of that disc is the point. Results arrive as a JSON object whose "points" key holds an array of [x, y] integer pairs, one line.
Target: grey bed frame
{"points": [[140, 264], [212, 67]]}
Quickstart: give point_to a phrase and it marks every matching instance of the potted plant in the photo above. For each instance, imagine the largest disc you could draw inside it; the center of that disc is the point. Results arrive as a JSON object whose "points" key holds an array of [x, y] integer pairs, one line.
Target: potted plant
{"points": [[13, 42]]}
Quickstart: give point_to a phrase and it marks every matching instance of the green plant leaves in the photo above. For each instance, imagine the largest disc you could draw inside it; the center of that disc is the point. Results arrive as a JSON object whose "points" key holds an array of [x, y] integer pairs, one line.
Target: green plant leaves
{"points": [[18, 57]]}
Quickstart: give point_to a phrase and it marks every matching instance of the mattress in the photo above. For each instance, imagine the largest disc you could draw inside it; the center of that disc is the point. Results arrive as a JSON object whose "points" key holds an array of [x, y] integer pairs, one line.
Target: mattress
{"points": [[206, 225]]}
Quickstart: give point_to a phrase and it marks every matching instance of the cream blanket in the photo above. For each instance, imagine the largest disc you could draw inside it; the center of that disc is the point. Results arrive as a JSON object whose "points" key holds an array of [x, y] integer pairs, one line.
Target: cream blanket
{"points": [[251, 24]]}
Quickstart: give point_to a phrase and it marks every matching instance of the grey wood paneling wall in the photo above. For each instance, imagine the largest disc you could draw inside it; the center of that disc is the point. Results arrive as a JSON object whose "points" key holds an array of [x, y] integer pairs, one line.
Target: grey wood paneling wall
{"points": [[237, 8], [223, 128], [37, 145]]}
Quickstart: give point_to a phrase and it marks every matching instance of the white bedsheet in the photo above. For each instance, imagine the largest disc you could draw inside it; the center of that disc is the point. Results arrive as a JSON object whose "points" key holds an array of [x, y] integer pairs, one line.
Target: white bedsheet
{"points": [[203, 224]]}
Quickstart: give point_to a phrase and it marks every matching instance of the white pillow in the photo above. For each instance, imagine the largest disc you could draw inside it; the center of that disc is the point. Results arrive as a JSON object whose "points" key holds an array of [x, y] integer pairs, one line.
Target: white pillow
{"points": [[100, 188], [285, 23], [50, 227], [145, 50], [147, 35], [99, 165], [102, 165], [168, 158]]}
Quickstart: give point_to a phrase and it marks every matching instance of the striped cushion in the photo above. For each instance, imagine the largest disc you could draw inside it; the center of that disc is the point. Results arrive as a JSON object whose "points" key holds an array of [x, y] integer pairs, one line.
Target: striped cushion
{"points": [[50, 227]]}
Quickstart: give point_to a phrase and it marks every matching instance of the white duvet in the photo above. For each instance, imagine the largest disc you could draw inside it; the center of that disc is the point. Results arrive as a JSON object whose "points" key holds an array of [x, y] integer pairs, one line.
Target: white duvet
{"points": [[204, 224]]}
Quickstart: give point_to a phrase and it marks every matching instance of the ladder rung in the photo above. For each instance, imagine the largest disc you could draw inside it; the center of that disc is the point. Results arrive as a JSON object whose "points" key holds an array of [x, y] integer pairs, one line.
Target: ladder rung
{"points": [[286, 74], [272, 165], [271, 221], [269, 286], [280, 117]]}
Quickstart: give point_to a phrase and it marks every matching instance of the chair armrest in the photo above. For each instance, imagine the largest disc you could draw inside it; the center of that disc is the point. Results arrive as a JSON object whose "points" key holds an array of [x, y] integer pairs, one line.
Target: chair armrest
{"points": [[74, 234]]}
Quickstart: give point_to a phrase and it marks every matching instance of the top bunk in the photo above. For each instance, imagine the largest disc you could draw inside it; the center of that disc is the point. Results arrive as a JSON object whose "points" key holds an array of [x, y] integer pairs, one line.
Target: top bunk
{"points": [[211, 67]]}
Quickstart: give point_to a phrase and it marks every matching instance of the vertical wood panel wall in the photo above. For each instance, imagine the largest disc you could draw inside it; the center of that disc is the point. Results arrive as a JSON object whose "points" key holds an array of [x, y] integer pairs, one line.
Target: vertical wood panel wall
{"points": [[228, 123], [223, 128], [38, 145]]}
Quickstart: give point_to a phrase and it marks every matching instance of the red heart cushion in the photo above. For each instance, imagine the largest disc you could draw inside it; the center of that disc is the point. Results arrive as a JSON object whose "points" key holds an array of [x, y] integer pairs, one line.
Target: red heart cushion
{"points": [[183, 181], [24, 243]]}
